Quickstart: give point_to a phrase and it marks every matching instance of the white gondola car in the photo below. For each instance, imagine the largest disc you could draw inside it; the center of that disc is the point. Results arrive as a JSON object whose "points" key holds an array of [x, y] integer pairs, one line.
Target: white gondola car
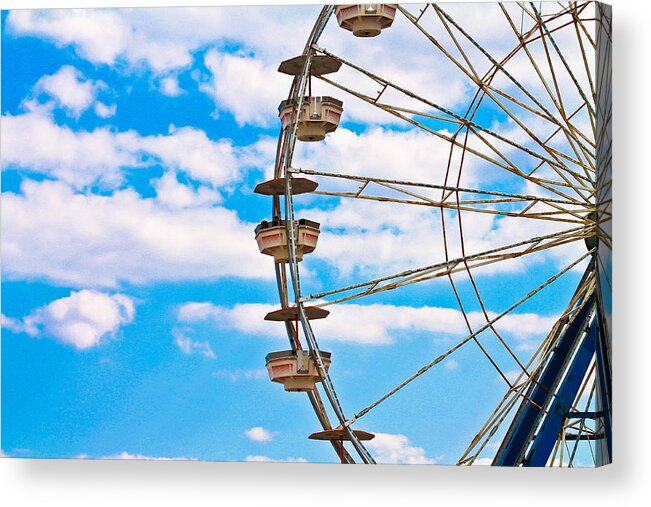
{"points": [[319, 116], [296, 370], [272, 238], [365, 20]]}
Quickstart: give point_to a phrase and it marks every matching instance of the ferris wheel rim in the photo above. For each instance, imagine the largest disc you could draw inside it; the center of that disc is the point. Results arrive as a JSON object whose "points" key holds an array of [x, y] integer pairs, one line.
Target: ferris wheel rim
{"points": [[285, 170]]}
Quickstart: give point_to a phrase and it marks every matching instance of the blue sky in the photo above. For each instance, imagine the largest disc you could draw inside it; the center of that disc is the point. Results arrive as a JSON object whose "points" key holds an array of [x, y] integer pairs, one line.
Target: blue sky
{"points": [[133, 292]]}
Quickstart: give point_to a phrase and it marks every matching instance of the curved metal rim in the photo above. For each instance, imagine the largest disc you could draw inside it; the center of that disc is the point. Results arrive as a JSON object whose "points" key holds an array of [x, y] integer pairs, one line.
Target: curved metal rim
{"points": [[284, 153]]}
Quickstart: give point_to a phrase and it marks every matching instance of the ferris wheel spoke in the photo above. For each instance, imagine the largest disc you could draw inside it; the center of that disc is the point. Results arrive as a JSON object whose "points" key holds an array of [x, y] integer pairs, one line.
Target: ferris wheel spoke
{"points": [[487, 257], [550, 185], [579, 148], [416, 22], [500, 66], [471, 277], [558, 99], [484, 83], [445, 19], [589, 169], [448, 189], [468, 338], [474, 206], [563, 172], [537, 360], [565, 64], [560, 210], [476, 338], [584, 57], [449, 116]]}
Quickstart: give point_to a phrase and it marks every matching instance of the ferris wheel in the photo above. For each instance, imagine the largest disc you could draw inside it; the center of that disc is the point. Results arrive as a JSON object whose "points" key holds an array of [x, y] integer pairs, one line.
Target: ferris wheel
{"points": [[535, 138]]}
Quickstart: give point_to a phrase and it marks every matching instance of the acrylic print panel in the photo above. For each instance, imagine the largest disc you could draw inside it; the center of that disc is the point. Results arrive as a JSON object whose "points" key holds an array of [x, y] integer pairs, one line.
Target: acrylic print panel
{"points": [[368, 233]]}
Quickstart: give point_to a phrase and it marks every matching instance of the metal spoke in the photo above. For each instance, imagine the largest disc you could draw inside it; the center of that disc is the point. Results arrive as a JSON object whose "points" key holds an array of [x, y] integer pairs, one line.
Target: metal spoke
{"points": [[443, 15], [442, 269], [553, 162], [558, 212], [461, 343]]}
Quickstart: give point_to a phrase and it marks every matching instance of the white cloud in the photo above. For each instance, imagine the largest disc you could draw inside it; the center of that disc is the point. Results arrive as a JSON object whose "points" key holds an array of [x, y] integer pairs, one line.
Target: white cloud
{"points": [[170, 86], [483, 462], [51, 233], [99, 35], [413, 155], [190, 150], [260, 434], [69, 89], [105, 111], [237, 375], [33, 141], [81, 320], [189, 346], [450, 364], [512, 375], [172, 193], [396, 449], [13, 325], [235, 86], [128, 456], [80, 158], [160, 38], [266, 459], [376, 324]]}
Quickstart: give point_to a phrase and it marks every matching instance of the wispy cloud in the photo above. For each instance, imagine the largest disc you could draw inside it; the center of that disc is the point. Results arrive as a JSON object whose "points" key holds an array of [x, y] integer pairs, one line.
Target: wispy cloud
{"points": [[128, 456], [266, 459], [238, 374], [189, 346], [260, 434], [397, 449], [376, 324]]}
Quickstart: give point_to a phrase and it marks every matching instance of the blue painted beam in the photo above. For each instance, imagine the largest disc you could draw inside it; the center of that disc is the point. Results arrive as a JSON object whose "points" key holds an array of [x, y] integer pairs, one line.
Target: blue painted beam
{"points": [[604, 391], [584, 415], [558, 410], [527, 419]]}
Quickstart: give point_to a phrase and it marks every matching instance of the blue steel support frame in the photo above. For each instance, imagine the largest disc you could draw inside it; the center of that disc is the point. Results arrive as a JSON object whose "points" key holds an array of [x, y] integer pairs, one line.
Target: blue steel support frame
{"points": [[604, 388], [543, 442], [529, 415]]}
